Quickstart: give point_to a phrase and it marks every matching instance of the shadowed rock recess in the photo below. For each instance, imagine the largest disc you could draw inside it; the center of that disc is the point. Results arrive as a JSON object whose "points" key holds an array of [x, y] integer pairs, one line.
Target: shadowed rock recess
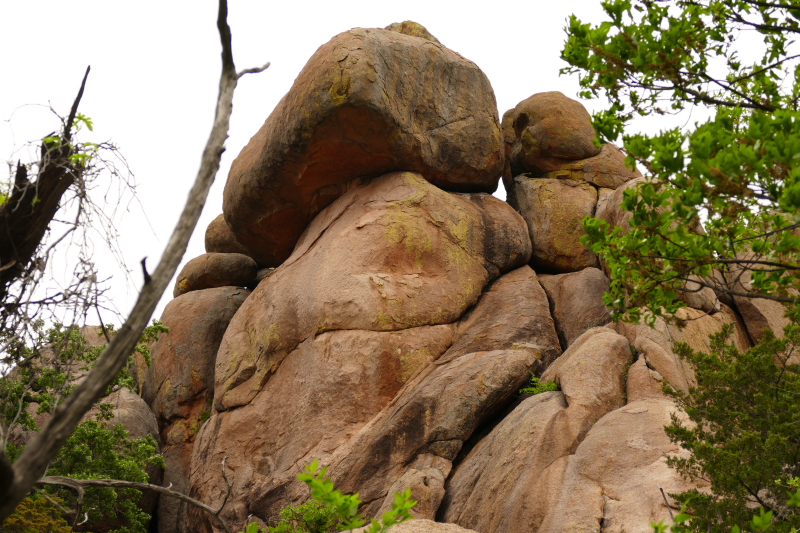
{"points": [[367, 302]]}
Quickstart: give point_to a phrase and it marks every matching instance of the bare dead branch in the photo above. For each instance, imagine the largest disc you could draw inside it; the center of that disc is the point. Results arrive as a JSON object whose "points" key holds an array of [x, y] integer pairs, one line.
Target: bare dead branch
{"points": [[44, 446], [255, 70], [80, 485]]}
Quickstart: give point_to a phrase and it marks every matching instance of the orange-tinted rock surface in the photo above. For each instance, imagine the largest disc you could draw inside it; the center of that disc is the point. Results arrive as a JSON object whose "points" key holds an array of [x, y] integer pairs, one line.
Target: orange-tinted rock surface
{"points": [[368, 102], [606, 169], [615, 476], [576, 301], [220, 240], [210, 271], [491, 488], [369, 329], [553, 210], [179, 386], [550, 130], [414, 29], [393, 254]]}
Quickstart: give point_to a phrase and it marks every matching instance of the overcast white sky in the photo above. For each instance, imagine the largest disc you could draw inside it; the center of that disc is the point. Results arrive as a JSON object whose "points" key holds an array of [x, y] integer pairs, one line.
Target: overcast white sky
{"points": [[155, 68]]}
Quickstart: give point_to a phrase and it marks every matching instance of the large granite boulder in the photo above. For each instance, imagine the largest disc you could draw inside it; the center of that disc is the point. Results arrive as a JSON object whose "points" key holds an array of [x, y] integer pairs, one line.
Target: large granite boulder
{"points": [[368, 102], [491, 488], [553, 210], [179, 385], [393, 254], [363, 353], [615, 476], [209, 271], [550, 130], [654, 345], [576, 302]]}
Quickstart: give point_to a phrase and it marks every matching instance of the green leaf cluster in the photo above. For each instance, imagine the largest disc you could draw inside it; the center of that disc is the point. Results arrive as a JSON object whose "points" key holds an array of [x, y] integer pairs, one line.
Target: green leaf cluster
{"points": [[36, 514], [737, 171], [43, 374], [330, 510], [537, 387], [743, 432]]}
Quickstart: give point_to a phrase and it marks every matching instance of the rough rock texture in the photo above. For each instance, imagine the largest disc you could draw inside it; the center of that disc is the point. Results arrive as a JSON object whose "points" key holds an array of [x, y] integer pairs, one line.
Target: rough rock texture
{"points": [[512, 310], [423, 526], [490, 489], [758, 314], [509, 136], [655, 345], [368, 102], [355, 387], [553, 210], [699, 297], [409, 27], [179, 385], [209, 271], [609, 205], [589, 374], [606, 169], [220, 240], [576, 302], [614, 476], [550, 130], [393, 254]]}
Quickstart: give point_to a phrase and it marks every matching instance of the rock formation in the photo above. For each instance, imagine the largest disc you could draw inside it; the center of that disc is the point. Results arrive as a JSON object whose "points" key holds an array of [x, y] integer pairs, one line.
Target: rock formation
{"points": [[368, 102], [397, 308]]}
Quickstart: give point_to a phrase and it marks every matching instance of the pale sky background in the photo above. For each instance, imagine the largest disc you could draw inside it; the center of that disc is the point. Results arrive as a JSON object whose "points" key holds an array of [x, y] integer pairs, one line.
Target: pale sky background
{"points": [[155, 71]]}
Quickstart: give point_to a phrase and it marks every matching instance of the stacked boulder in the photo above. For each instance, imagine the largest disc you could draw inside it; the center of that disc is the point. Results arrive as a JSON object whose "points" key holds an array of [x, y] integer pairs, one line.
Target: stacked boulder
{"points": [[397, 308], [555, 176]]}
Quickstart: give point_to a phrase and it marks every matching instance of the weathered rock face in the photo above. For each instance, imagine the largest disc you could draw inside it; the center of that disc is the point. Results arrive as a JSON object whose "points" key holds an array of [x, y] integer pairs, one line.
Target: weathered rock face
{"points": [[209, 271], [576, 301], [654, 345], [423, 526], [553, 210], [609, 206], [615, 475], [368, 102], [606, 169], [550, 130], [354, 385], [490, 489], [390, 255], [758, 313], [179, 386], [409, 27], [220, 240], [511, 311]]}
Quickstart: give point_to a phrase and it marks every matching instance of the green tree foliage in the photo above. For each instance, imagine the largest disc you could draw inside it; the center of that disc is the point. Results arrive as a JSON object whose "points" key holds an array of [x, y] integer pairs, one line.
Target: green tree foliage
{"points": [[737, 170], [36, 514], [744, 430], [42, 376], [329, 510]]}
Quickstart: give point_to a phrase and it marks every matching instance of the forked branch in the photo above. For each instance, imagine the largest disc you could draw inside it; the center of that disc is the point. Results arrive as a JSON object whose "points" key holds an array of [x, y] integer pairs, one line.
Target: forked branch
{"points": [[17, 481]]}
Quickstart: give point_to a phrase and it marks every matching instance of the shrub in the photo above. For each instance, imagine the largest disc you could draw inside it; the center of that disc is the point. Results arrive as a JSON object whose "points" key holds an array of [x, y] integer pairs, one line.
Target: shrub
{"points": [[537, 387]]}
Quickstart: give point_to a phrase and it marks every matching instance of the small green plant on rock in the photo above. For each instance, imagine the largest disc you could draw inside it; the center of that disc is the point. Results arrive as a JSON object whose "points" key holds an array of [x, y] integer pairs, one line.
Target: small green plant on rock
{"points": [[330, 510], [537, 387]]}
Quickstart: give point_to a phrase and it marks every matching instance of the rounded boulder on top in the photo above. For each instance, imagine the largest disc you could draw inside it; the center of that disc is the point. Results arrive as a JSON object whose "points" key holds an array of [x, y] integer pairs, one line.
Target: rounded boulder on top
{"points": [[368, 102]]}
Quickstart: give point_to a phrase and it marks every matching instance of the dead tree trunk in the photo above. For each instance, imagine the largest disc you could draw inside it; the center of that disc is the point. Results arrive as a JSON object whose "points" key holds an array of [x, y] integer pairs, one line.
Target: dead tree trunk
{"points": [[18, 479]]}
